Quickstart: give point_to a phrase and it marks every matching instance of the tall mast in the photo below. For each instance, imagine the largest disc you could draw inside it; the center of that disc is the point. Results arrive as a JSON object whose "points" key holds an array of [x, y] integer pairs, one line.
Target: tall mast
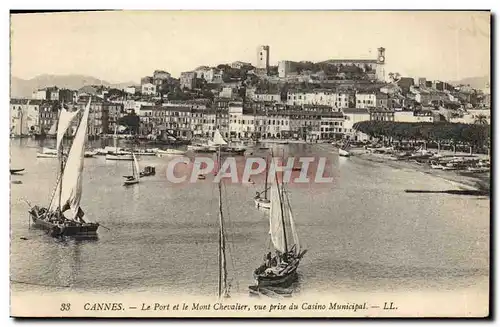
{"points": [[280, 193], [61, 170], [114, 141], [222, 242], [267, 173]]}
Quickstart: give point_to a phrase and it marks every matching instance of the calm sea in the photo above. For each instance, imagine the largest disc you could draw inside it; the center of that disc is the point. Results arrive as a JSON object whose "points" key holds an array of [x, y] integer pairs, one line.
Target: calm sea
{"points": [[363, 232]]}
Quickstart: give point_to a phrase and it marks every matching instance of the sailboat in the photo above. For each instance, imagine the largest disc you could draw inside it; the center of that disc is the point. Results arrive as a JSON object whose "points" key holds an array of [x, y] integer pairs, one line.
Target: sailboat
{"points": [[134, 178], [280, 270], [64, 216], [118, 155], [343, 149], [263, 202]]}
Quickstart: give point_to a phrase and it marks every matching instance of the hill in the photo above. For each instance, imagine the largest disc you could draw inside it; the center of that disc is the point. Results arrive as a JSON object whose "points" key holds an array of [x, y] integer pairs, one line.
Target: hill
{"points": [[21, 88], [475, 82]]}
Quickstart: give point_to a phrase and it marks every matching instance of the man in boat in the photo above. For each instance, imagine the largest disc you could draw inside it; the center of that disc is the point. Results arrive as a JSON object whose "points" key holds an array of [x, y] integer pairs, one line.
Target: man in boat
{"points": [[267, 260]]}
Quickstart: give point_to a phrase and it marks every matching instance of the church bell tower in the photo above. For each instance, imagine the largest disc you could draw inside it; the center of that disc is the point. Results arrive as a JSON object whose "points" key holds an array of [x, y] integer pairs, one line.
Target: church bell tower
{"points": [[381, 64]]}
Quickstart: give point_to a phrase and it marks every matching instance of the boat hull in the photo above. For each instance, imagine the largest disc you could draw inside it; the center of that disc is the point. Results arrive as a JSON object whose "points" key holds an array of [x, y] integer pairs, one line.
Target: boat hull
{"points": [[284, 280], [344, 153], [119, 157], [80, 230], [170, 152], [262, 203], [16, 171], [46, 155], [130, 182]]}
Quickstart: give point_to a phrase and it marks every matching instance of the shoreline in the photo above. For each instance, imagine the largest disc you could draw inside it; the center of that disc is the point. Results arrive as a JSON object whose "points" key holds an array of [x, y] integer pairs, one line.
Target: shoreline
{"points": [[479, 181]]}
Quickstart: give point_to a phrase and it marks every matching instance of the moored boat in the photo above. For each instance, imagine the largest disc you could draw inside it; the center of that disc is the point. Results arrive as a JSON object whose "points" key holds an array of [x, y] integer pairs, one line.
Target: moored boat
{"points": [[148, 171], [16, 171], [64, 216], [134, 178], [46, 155], [170, 152], [344, 153], [89, 154], [280, 270], [123, 157]]}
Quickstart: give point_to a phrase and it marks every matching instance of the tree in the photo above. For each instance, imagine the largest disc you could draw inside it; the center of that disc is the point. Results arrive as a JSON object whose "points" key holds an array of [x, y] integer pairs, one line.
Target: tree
{"points": [[481, 120]]}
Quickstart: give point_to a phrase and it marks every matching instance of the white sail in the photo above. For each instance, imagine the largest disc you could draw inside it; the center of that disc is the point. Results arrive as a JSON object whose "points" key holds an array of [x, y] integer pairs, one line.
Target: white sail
{"points": [[275, 220], [72, 175], [294, 230], [65, 119], [53, 128], [218, 139], [136, 165]]}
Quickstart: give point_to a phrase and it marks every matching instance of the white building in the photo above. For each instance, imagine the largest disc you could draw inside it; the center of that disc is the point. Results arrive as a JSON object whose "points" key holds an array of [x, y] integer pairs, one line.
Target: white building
{"points": [[39, 94], [351, 117], [227, 92], [266, 97], [209, 74], [25, 116], [413, 117], [130, 90], [366, 100], [318, 97], [148, 88]]}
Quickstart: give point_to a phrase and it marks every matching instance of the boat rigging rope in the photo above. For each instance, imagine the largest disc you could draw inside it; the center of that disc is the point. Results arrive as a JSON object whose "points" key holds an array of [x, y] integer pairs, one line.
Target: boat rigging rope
{"points": [[37, 284], [231, 244], [202, 254]]}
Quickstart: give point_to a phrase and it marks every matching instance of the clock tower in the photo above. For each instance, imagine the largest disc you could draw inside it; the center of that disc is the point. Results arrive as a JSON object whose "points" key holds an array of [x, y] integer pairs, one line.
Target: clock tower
{"points": [[380, 64]]}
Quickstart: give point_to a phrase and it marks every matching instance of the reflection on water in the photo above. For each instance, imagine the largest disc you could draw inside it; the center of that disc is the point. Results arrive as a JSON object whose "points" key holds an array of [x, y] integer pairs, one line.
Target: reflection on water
{"points": [[363, 232]]}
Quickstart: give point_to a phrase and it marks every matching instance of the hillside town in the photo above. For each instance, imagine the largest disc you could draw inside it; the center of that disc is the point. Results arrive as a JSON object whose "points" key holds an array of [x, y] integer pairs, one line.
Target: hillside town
{"points": [[312, 102]]}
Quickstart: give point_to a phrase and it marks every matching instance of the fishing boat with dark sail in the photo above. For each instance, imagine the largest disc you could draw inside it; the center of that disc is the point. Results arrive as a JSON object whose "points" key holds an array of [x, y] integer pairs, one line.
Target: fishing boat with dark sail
{"points": [[134, 178], [64, 216], [280, 270]]}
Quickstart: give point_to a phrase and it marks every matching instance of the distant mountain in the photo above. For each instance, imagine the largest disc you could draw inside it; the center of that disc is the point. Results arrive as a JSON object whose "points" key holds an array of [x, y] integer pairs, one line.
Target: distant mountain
{"points": [[475, 82], [21, 88]]}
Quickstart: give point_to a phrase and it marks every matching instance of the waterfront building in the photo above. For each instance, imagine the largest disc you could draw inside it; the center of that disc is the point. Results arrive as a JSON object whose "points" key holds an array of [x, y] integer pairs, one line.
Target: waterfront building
{"points": [[383, 114], [48, 115], [414, 116], [351, 117], [25, 116]]}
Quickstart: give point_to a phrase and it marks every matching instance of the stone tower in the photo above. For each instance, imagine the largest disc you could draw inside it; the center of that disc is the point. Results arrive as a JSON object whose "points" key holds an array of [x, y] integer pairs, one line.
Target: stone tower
{"points": [[381, 64], [263, 57]]}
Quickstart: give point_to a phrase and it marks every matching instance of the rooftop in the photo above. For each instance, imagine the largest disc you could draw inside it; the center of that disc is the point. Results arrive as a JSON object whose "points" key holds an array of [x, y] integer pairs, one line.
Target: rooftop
{"points": [[355, 111]]}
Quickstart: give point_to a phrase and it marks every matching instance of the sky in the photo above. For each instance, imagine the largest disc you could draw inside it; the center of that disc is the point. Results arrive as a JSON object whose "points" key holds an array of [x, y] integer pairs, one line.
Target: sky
{"points": [[123, 46]]}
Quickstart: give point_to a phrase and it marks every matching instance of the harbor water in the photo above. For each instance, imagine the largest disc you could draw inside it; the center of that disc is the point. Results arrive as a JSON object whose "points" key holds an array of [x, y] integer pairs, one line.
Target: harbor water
{"points": [[363, 232]]}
